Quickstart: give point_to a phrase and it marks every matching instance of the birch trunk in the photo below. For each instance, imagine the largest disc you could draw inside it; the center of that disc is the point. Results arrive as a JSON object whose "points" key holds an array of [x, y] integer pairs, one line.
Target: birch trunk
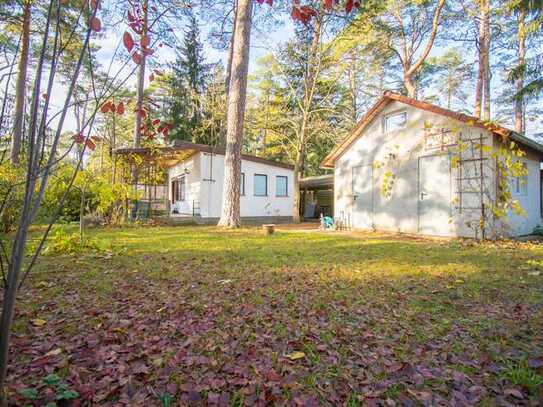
{"points": [[519, 83], [20, 86], [230, 216]]}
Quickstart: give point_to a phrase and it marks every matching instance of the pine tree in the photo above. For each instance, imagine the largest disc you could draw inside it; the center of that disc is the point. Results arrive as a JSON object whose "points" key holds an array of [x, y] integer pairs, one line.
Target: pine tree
{"points": [[188, 82]]}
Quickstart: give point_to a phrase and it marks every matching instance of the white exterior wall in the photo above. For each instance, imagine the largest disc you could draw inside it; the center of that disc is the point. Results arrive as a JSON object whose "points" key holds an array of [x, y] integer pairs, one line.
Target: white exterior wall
{"points": [[400, 152], [531, 201], [192, 170], [208, 187]]}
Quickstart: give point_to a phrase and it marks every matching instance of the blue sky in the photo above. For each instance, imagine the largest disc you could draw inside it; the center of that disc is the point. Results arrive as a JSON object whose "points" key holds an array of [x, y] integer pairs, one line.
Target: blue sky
{"points": [[262, 42]]}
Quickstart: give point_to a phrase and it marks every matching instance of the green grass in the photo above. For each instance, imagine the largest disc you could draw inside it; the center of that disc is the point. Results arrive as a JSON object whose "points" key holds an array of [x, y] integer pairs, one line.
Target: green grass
{"points": [[376, 315]]}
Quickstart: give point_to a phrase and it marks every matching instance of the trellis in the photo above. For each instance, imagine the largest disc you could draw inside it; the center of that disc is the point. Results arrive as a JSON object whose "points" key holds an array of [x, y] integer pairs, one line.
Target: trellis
{"points": [[472, 184]]}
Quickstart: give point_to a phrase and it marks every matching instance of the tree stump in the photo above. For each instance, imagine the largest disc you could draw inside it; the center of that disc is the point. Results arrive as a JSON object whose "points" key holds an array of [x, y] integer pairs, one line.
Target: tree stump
{"points": [[268, 229]]}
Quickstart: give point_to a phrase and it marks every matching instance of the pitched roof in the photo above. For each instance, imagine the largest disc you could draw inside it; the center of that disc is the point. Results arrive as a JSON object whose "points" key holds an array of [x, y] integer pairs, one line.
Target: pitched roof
{"points": [[180, 150], [389, 97]]}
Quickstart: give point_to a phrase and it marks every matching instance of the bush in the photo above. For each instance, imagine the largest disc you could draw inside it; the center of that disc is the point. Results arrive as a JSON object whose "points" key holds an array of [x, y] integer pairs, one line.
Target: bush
{"points": [[104, 200], [64, 243], [111, 201], [538, 230], [56, 188], [11, 196]]}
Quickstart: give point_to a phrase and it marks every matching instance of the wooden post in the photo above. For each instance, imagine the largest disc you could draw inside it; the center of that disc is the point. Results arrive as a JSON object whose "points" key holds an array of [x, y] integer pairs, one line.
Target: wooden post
{"points": [[268, 229]]}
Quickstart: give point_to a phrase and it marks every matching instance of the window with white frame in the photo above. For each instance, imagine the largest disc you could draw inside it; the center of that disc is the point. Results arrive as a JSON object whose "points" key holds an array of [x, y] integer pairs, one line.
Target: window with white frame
{"points": [[281, 186], [242, 184], [394, 121], [520, 183], [260, 185]]}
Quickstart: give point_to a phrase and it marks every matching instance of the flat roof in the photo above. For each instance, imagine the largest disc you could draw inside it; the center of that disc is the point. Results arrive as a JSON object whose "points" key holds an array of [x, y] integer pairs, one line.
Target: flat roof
{"points": [[318, 182], [181, 150]]}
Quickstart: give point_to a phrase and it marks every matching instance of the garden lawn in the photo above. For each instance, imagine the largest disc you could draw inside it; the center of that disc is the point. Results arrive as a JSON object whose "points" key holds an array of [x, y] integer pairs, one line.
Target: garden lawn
{"points": [[197, 315]]}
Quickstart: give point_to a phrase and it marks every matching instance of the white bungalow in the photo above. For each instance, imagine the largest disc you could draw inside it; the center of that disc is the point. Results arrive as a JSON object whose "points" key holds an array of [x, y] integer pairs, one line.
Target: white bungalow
{"points": [[413, 167], [195, 177]]}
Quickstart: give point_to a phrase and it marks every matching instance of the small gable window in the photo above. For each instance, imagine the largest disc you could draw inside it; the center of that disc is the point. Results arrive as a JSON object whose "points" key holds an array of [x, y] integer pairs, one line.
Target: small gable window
{"points": [[395, 121]]}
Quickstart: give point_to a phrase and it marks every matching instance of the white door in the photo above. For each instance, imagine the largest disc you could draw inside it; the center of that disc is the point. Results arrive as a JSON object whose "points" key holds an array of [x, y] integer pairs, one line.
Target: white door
{"points": [[435, 195], [363, 196]]}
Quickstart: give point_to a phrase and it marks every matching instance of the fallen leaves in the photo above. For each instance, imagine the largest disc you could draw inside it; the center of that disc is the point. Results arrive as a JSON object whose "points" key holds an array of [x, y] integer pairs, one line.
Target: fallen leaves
{"points": [[54, 352], [295, 355], [38, 322], [514, 392], [170, 323]]}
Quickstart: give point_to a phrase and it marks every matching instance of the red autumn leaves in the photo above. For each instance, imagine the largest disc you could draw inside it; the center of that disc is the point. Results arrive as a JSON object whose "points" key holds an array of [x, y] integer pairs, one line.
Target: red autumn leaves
{"points": [[135, 49], [305, 13], [149, 130], [89, 142], [109, 107], [94, 23], [157, 127]]}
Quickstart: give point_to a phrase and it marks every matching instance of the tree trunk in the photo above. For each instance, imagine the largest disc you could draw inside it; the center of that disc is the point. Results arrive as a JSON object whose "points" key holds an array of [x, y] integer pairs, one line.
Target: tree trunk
{"points": [[486, 86], [230, 216], [313, 67], [81, 213], [140, 82], [483, 57], [519, 83], [410, 86], [353, 86], [297, 198], [228, 74], [20, 87]]}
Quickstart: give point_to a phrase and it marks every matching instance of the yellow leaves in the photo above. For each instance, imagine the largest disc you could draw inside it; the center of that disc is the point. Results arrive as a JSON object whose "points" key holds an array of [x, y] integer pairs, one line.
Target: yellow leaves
{"points": [[38, 322], [296, 355], [486, 149], [377, 164], [455, 159], [54, 352], [459, 281]]}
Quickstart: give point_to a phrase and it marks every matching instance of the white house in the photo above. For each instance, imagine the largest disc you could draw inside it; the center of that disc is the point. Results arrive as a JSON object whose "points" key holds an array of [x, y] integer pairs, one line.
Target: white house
{"points": [[413, 167], [195, 183]]}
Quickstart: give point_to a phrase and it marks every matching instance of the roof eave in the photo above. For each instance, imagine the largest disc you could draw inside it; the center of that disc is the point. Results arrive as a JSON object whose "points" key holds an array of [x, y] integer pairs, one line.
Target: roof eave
{"points": [[329, 160]]}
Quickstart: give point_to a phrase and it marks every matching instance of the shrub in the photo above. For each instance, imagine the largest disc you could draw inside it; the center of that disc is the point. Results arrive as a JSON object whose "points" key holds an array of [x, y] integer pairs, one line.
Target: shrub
{"points": [[111, 200], [63, 243], [56, 188], [104, 200], [538, 230], [11, 195]]}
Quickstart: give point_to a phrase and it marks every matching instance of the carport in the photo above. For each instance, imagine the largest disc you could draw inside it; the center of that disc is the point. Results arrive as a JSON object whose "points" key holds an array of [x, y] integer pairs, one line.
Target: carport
{"points": [[317, 196]]}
